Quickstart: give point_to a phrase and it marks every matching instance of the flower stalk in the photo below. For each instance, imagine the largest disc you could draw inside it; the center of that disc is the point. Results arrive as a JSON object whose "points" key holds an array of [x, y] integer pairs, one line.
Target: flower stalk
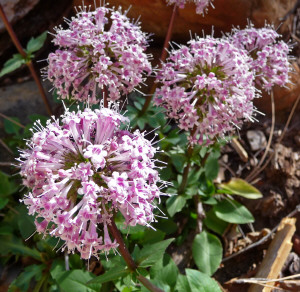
{"points": [[16, 42], [163, 58]]}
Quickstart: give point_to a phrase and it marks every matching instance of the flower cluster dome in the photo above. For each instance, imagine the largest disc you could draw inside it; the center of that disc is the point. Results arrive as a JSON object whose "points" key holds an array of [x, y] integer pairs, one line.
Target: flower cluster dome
{"points": [[83, 170], [207, 87], [100, 50], [201, 5], [269, 57]]}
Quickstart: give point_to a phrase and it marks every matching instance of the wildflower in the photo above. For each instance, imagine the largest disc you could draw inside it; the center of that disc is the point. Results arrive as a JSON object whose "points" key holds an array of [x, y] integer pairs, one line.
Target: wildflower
{"points": [[207, 88], [269, 57], [83, 170], [100, 50], [201, 5]]}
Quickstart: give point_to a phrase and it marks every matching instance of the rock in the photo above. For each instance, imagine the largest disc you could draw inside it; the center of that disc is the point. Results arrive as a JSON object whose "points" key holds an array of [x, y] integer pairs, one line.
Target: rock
{"points": [[155, 15], [256, 139], [22, 99], [16, 9], [30, 18]]}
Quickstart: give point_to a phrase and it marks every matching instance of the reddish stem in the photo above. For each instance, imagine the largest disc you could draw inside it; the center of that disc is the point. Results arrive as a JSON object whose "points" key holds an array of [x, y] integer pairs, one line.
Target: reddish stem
{"points": [[105, 97], [163, 58], [16, 42], [122, 247]]}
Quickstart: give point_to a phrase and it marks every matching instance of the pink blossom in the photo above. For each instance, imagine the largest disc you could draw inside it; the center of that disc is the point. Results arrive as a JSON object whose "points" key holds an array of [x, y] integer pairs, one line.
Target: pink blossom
{"points": [[269, 56], [83, 169], [99, 50], [207, 87], [201, 5]]}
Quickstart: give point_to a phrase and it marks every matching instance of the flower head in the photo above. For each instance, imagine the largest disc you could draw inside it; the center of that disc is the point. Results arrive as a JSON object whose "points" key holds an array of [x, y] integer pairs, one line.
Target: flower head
{"points": [[201, 5], [269, 57], [100, 49], [207, 88], [84, 169]]}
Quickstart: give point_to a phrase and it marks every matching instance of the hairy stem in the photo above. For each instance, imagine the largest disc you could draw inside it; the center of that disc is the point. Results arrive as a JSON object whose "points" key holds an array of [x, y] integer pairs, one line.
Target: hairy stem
{"points": [[16, 42], [162, 58]]}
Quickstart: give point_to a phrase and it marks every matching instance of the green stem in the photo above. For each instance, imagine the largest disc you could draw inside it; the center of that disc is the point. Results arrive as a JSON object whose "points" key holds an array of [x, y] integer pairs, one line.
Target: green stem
{"points": [[163, 57], [187, 167], [16, 42]]}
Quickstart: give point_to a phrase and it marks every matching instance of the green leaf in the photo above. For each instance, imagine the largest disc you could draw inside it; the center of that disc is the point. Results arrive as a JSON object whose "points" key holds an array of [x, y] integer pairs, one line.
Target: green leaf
{"points": [[113, 274], [7, 186], [233, 212], [211, 167], [214, 223], [200, 282], [165, 270], [12, 244], [26, 224], [3, 202], [182, 284], [11, 127], [168, 226], [175, 204], [178, 161], [150, 254], [242, 188], [22, 282], [76, 281], [35, 44], [12, 64], [207, 252]]}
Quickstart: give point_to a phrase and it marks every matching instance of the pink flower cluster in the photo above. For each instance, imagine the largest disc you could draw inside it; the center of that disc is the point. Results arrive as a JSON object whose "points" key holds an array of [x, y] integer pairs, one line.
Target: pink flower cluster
{"points": [[100, 50], [83, 170], [207, 87], [269, 57], [201, 5]]}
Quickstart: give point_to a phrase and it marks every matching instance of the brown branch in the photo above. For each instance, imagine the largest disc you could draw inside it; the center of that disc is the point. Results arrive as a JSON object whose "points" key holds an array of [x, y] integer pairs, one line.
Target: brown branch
{"points": [[16, 42]]}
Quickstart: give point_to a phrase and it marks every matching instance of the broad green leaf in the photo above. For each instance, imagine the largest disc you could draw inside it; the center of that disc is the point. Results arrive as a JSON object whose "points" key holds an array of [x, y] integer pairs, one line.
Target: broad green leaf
{"points": [[26, 224], [214, 223], [76, 281], [168, 226], [178, 160], [12, 64], [12, 244], [35, 117], [207, 252], [200, 282], [165, 270], [211, 167], [3, 202], [35, 44], [22, 282], [150, 254], [110, 275], [175, 204], [237, 186], [11, 127], [157, 283], [138, 105], [182, 284], [233, 212]]}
